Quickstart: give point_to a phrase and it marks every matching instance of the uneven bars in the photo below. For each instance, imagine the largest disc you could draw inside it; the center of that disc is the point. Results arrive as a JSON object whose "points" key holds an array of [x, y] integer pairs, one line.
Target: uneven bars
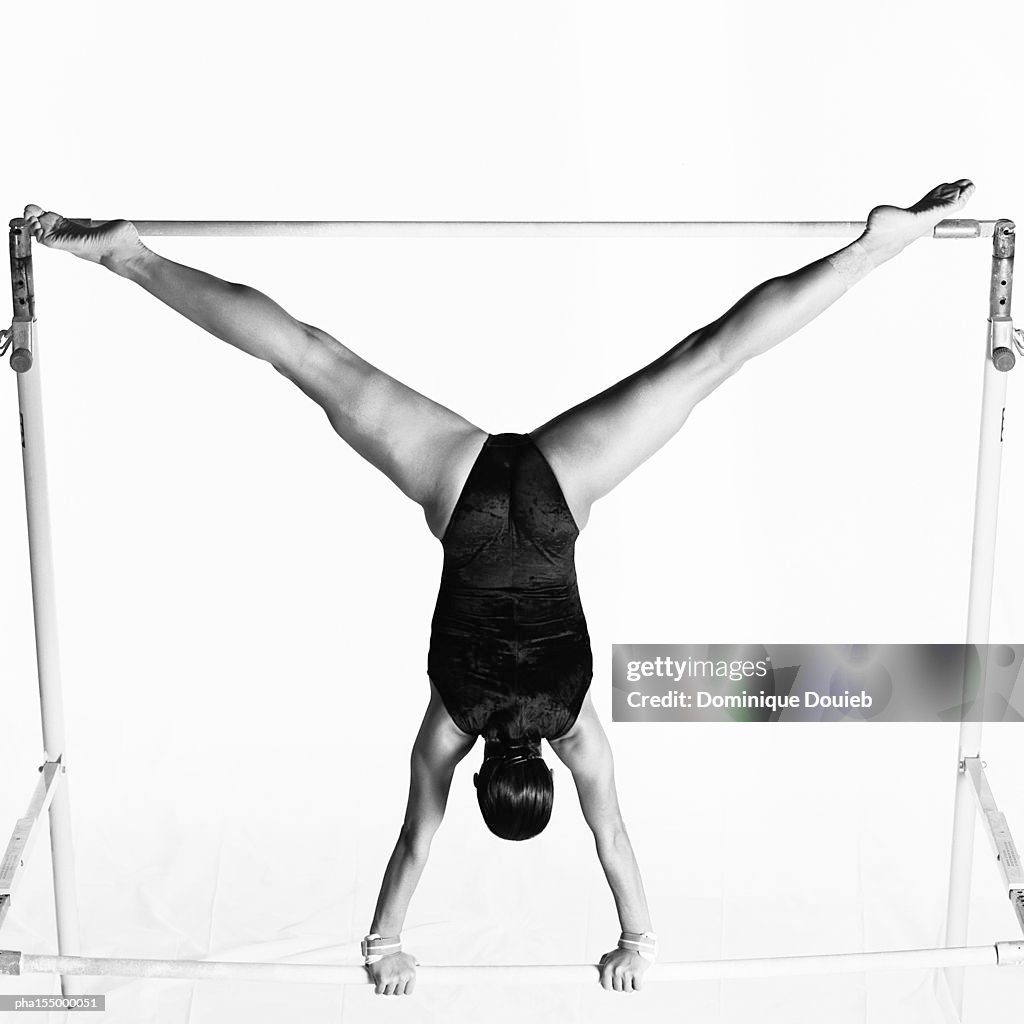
{"points": [[1000, 954], [953, 228]]}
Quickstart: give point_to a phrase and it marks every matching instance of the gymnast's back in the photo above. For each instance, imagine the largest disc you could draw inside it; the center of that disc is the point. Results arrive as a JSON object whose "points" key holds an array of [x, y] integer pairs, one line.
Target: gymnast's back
{"points": [[509, 648]]}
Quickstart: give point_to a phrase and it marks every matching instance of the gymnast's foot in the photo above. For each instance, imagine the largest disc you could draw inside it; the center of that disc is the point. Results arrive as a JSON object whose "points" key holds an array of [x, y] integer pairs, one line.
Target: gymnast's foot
{"points": [[109, 243], [890, 229]]}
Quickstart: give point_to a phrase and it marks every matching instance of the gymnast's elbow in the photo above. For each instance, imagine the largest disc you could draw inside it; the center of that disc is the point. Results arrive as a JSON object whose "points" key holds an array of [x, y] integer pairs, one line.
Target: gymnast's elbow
{"points": [[416, 837], [611, 836]]}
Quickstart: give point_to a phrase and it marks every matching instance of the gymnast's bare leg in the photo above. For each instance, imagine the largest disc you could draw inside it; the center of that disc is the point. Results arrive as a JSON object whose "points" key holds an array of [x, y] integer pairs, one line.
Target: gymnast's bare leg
{"points": [[595, 445], [421, 446]]}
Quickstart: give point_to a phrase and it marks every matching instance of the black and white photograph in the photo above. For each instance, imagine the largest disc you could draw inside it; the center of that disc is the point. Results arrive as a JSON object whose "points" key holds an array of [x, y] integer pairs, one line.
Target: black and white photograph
{"points": [[512, 509]]}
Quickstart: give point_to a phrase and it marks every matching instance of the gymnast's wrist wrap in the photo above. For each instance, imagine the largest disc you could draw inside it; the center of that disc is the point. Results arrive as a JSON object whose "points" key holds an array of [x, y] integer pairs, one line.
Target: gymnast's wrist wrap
{"points": [[852, 264], [644, 944], [375, 947]]}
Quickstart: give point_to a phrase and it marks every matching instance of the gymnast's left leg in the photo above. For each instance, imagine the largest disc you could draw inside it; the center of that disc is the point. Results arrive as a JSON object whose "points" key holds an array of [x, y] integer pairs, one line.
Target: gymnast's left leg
{"points": [[424, 448], [595, 445]]}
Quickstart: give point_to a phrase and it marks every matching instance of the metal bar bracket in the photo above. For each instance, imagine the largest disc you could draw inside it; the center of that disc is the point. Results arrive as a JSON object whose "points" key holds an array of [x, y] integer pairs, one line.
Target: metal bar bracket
{"points": [[10, 961], [1010, 953], [1001, 334], [1000, 837], [1017, 901], [26, 831], [23, 324]]}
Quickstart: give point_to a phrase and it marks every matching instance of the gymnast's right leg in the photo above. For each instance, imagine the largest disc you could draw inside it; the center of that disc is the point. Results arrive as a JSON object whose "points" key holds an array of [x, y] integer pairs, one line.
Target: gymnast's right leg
{"points": [[425, 449]]}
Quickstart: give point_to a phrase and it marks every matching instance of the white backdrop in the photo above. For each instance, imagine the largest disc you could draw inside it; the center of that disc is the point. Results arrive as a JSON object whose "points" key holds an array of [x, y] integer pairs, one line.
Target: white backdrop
{"points": [[245, 605]]}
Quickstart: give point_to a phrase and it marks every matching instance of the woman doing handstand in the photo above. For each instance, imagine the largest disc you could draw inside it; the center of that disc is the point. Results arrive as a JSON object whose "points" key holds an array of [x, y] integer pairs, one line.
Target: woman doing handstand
{"points": [[509, 655]]}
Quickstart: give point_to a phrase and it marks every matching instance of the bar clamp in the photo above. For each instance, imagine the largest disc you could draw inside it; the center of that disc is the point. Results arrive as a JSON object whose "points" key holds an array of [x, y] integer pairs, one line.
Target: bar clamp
{"points": [[21, 336], [1003, 337], [1010, 954], [1017, 901]]}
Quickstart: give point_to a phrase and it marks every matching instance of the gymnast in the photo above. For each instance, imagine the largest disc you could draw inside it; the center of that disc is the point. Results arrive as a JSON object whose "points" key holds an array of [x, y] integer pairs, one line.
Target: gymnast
{"points": [[509, 656]]}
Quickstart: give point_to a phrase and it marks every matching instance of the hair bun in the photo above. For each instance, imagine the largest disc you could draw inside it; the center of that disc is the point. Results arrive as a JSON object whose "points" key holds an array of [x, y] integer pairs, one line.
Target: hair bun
{"points": [[512, 752]]}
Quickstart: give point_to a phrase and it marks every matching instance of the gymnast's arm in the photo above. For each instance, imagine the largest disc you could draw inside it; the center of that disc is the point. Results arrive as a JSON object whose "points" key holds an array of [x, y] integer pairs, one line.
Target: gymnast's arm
{"points": [[438, 748], [585, 750]]}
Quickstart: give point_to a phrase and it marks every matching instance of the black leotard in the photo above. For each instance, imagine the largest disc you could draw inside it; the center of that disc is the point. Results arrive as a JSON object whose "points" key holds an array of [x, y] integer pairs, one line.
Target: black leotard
{"points": [[509, 648]]}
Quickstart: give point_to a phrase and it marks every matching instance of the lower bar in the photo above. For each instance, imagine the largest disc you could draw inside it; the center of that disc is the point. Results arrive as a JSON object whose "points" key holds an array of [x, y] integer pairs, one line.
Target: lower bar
{"points": [[763, 967], [953, 228]]}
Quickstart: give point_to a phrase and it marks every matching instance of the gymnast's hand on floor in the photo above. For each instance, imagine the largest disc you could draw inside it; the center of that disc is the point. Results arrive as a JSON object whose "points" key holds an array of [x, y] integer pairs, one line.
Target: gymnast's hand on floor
{"points": [[394, 974], [622, 970], [105, 243]]}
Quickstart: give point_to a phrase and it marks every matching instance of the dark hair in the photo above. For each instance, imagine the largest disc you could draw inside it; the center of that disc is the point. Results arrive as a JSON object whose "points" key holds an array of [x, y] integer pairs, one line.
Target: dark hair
{"points": [[514, 790]]}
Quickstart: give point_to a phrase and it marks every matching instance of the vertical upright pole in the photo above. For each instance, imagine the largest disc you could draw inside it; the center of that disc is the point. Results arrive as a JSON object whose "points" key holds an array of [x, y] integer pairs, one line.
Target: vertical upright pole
{"points": [[33, 449], [999, 359]]}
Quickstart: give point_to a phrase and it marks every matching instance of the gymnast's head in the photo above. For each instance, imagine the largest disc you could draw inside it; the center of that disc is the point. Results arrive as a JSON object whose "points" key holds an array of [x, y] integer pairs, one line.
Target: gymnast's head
{"points": [[514, 788]]}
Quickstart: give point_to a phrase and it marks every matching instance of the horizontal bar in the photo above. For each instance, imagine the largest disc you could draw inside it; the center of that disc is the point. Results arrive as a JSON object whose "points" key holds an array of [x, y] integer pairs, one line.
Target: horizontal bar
{"points": [[26, 828], [997, 828], [13, 962], [953, 228]]}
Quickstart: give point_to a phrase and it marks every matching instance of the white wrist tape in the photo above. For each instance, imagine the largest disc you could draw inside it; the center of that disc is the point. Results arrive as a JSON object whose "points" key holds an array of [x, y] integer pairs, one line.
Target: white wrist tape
{"points": [[375, 948], [644, 944], [852, 264]]}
